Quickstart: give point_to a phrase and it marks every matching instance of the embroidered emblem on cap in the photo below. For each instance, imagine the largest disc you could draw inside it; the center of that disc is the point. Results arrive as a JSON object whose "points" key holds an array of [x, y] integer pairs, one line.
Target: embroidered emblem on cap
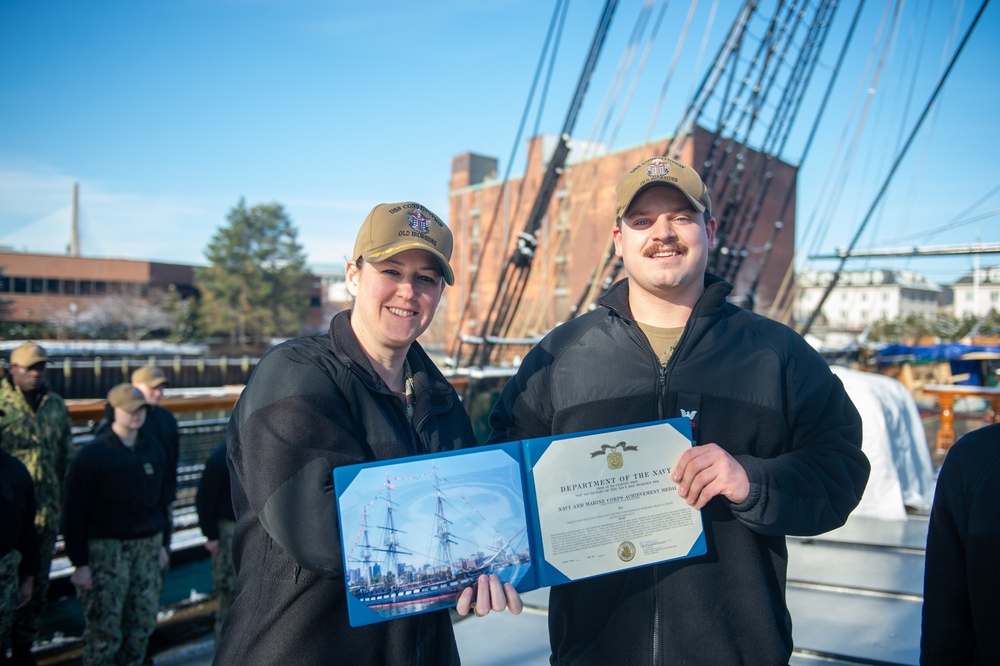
{"points": [[418, 223], [656, 169]]}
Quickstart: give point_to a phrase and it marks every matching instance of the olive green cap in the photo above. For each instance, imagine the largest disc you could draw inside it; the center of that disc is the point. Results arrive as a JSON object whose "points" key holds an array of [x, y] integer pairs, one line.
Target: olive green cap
{"points": [[127, 397], [662, 171], [393, 228]]}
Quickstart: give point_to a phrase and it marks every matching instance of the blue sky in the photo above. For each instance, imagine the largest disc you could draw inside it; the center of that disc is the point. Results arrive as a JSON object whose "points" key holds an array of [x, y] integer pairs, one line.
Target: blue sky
{"points": [[167, 113]]}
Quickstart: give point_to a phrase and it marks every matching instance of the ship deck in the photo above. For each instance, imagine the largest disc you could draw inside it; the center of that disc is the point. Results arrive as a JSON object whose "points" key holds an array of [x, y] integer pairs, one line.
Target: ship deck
{"points": [[854, 593]]}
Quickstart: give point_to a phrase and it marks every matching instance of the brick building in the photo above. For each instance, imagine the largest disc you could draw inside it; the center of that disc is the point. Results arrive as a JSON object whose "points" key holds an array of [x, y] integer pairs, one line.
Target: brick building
{"points": [[42, 286], [47, 289], [575, 236]]}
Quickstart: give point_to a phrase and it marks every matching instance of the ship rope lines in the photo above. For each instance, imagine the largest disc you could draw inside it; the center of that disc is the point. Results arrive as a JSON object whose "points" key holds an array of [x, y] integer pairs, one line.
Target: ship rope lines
{"points": [[514, 275], [441, 532], [757, 96]]}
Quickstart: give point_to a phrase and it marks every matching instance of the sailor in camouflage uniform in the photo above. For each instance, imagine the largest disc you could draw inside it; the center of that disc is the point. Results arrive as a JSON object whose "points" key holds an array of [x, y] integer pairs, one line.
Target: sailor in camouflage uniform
{"points": [[114, 518], [36, 431], [17, 536], [217, 521]]}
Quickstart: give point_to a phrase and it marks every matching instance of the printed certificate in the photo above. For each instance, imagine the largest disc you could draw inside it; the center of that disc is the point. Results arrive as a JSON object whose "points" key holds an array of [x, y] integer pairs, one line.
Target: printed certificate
{"points": [[605, 504], [417, 531]]}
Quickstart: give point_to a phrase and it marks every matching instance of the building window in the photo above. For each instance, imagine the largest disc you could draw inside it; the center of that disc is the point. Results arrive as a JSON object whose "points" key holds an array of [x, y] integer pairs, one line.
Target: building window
{"points": [[4, 283], [69, 287], [52, 286], [20, 285]]}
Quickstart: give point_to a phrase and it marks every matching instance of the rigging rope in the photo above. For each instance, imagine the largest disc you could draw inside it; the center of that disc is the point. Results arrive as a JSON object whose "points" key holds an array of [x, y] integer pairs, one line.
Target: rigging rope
{"points": [[673, 65], [895, 166], [517, 269], [864, 92], [779, 309], [774, 143], [554, 33], [565, 234]]}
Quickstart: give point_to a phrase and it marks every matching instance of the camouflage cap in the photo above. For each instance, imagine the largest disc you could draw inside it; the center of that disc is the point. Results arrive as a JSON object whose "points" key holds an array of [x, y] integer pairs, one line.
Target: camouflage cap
{"points": [[127, 397], [28, 354], [662, 171], [393, 228], [150, 375]]}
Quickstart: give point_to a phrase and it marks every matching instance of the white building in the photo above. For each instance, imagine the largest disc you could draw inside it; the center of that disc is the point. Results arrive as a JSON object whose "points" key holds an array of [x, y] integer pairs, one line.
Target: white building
{"points": [[977, 292], [863, 297], [333, 281]]}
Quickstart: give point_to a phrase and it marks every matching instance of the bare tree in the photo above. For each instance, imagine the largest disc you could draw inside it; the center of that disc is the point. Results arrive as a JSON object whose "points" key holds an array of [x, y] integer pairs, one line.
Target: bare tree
{"points": [[125, 317]]}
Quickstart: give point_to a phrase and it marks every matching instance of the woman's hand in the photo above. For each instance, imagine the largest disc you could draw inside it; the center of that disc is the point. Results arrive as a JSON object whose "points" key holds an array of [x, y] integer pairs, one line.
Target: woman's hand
{"points": [[490, 595]]}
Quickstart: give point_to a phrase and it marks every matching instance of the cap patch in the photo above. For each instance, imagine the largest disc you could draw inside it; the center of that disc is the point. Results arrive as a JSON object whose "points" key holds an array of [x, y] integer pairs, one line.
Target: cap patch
{"points": [[657, 169], [418, 222]]}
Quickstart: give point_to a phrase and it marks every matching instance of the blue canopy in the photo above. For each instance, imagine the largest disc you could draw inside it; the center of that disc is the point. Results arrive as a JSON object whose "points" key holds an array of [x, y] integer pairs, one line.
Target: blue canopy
{"points": [[951, 352]]}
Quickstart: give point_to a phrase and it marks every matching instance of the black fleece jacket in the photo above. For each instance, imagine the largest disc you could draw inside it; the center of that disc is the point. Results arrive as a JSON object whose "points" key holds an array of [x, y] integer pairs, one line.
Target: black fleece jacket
{"points": [[961, 617], [17, 513], [214, 500], [160, 425], [114, 492], [750, 385], [313, 404]]}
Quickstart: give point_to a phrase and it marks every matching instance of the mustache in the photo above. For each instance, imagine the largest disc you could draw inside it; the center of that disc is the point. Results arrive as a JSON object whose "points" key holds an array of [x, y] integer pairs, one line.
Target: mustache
{"points": [[656, 248]]}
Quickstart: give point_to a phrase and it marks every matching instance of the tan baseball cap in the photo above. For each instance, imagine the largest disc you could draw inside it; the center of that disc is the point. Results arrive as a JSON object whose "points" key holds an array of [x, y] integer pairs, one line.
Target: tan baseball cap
{"points": [[127, 397], [662, 171], [393, 228], [28, 354], [149, 375]]}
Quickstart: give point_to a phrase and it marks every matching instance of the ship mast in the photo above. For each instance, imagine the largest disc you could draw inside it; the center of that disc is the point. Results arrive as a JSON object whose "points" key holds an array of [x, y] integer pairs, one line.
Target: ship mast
{"points": [[366, 549], [391, 547], [443, 534]]}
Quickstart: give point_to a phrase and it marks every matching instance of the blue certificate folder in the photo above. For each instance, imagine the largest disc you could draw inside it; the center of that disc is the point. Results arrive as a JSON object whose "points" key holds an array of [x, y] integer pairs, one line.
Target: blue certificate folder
{"points": [[537, 512]]}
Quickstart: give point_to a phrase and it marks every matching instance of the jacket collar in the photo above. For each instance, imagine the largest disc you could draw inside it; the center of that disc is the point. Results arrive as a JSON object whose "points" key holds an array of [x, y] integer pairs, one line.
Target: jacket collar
{"points": [[710, 303], [347, 350], [7, 382]]}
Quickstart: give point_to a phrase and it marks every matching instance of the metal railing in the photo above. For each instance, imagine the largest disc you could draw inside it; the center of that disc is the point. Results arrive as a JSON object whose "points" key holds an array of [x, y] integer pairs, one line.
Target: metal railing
{"points": [[202, 421]]}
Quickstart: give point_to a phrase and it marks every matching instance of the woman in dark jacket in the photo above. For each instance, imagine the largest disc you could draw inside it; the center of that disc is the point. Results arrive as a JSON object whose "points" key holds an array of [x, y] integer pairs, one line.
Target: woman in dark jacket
{"points": [[114, 515], [365, 392]]}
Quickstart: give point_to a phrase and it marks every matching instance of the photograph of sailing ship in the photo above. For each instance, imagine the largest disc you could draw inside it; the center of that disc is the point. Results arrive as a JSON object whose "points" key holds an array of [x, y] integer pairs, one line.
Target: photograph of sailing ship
{"points": [[416, 533]]}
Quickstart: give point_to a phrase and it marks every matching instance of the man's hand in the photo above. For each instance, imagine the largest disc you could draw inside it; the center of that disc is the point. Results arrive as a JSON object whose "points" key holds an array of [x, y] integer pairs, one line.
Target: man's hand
{"points": [[82, 578], [27, 588], [212, 546], [706, 471]]}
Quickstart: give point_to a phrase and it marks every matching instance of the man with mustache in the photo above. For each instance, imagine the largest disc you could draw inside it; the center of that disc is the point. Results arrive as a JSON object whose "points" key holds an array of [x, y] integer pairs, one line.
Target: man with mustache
{"points": [[777, 440]]}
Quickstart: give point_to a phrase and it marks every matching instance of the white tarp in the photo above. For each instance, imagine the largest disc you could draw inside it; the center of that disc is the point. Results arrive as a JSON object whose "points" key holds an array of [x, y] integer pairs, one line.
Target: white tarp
{"points": [[895, 443]]}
